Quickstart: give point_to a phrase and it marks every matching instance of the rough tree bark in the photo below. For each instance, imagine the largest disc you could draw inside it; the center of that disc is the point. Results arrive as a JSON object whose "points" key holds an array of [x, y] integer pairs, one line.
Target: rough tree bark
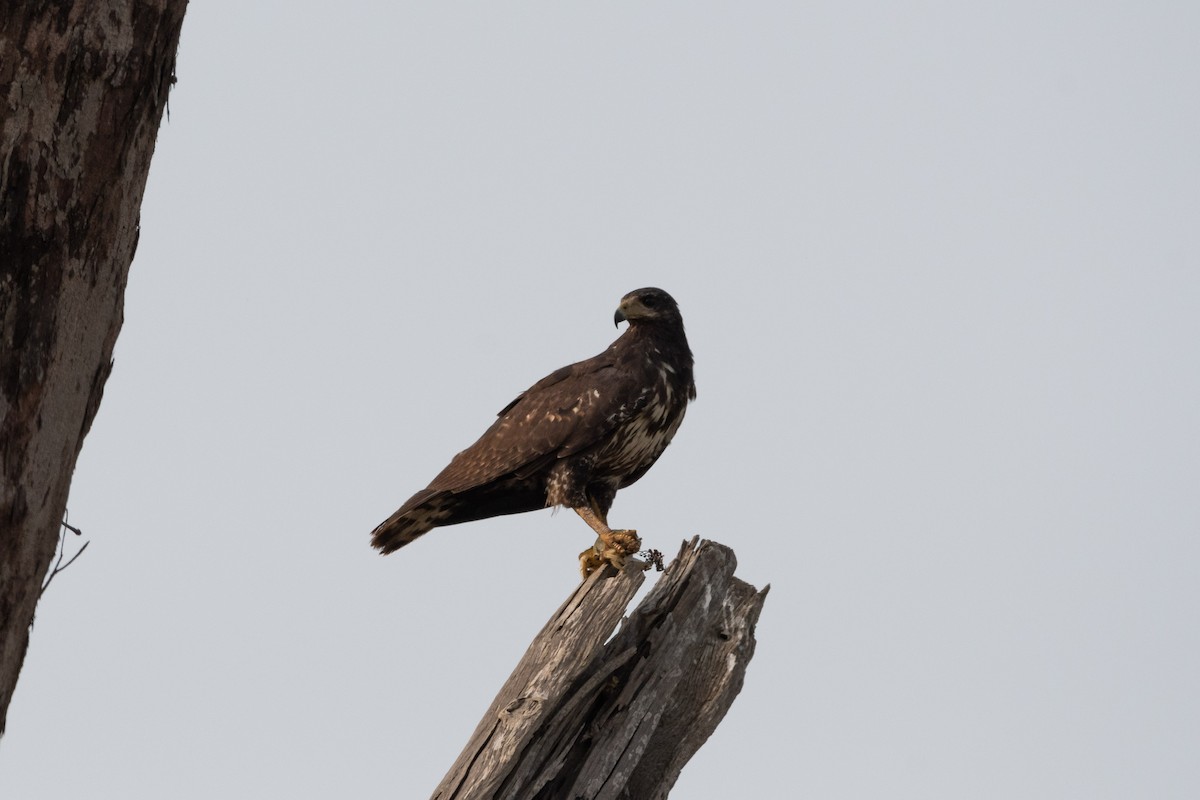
{"points": [[586, 716], [84, 86]]}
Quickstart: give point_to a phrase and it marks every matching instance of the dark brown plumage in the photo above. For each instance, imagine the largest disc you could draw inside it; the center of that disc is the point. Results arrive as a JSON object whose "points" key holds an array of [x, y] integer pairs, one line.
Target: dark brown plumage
{"points": [[572, 439]]}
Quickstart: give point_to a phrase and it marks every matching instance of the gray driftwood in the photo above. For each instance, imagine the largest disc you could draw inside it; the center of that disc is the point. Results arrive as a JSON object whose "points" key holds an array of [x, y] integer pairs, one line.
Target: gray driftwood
{"points": [[586, 716]]}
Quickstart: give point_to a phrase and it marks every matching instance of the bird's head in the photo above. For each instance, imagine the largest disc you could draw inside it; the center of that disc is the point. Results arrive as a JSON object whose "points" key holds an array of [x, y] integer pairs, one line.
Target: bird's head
{"points": [[647, 305]]}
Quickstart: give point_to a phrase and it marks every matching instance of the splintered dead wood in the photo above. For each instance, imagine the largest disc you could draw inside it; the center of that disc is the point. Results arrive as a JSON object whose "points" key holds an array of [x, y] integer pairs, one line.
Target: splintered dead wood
{"points": [[594, 715]]}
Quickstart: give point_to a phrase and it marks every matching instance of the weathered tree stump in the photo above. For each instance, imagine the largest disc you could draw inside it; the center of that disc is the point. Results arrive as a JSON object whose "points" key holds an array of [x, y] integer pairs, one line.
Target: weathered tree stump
{"points": [[586, 716]]}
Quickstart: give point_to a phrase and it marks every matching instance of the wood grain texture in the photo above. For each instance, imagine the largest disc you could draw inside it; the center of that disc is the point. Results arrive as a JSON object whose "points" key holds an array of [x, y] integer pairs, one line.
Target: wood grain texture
{"points": [[587, 714], [83, 86]]}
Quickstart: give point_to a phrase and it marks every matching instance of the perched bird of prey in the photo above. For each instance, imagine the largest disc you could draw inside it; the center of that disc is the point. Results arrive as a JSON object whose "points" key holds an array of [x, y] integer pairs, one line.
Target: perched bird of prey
{"points": [[572, 439]]}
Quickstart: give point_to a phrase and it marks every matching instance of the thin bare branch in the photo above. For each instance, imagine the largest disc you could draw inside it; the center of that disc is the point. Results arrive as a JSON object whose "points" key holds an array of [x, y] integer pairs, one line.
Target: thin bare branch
{"points": [[59, 566]]}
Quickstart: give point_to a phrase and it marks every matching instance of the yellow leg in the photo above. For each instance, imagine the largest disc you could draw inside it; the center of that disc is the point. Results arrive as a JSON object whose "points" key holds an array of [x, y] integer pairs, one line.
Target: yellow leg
{"points": [[612, 547]]}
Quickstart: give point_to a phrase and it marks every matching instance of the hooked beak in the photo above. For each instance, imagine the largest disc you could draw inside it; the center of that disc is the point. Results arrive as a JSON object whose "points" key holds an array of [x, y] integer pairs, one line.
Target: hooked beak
{"points": [[618, 318]]}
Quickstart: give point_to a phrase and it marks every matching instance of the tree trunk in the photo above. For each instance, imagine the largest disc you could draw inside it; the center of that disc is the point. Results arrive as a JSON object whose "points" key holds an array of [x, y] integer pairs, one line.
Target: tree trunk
{"points": [[583, 716], [84, 86]]}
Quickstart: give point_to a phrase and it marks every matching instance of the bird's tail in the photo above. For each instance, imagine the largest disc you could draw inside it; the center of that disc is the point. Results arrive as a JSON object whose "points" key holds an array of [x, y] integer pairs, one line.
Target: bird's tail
{"points": [[422, 513]]}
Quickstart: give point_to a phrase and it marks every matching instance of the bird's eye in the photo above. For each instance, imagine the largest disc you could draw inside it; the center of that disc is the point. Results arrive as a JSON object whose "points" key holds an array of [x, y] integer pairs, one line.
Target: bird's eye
{"points": [[650, 301]]}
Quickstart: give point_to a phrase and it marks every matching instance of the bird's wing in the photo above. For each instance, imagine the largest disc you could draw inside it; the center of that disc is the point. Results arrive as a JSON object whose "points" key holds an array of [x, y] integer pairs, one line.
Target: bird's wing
{"points": [[562, 414]]}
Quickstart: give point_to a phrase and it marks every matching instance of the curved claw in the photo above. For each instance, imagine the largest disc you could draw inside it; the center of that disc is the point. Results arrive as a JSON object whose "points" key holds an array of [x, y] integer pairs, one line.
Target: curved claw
{"points": [[618, 554], [625, 541], [590, 560]]}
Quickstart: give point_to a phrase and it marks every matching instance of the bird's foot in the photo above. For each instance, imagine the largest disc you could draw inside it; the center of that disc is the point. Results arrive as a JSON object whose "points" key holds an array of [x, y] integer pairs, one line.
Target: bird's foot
{"points": [[616, 551], [590, 560], [594, 558], [626, 542]]}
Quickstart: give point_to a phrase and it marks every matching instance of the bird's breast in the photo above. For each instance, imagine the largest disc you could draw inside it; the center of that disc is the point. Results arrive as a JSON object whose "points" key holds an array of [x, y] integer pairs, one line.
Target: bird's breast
{"points": [[640, 440]]}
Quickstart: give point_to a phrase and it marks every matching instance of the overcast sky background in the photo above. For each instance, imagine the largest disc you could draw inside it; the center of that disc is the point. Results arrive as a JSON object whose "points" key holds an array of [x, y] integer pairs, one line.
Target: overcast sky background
{"points": [[940, 268]]}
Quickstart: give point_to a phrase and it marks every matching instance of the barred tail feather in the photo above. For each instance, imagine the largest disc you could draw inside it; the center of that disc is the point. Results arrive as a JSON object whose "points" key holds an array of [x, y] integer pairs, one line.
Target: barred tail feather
{"points": [[421, 514]]}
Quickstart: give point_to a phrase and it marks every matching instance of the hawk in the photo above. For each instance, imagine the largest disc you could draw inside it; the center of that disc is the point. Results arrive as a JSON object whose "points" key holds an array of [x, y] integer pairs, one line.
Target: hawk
{"points": [[572, 439]]}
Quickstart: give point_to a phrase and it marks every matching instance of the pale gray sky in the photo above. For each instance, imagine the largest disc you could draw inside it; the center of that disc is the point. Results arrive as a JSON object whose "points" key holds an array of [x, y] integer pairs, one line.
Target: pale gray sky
{"points": [[940, 267]]}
